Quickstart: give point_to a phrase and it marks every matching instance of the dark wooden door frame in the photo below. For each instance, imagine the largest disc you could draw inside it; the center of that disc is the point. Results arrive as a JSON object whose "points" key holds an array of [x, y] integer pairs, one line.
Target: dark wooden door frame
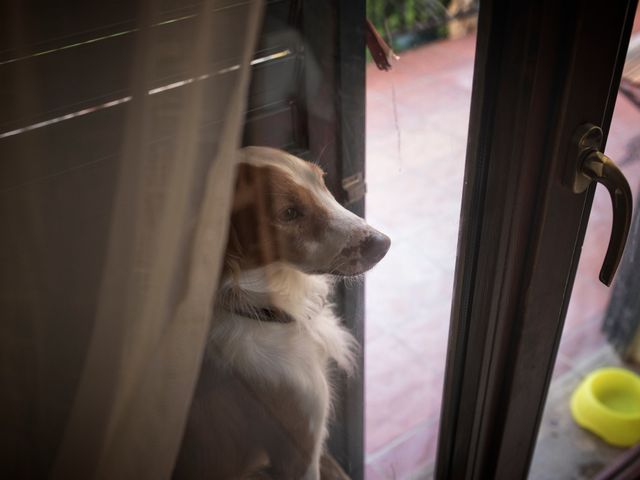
{"points": [[542, 69]]}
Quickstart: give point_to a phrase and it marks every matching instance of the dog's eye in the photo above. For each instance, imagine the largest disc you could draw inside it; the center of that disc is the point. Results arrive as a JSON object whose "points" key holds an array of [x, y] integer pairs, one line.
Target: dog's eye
{"points": [[289, 214]]}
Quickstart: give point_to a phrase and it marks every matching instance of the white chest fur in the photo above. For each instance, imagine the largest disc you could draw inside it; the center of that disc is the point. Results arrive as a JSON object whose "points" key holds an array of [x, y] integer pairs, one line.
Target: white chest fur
{"points": [[282, 352]]}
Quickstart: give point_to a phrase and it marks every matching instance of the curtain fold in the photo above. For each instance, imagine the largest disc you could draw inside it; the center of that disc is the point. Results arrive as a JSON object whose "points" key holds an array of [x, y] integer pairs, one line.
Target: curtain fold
{"points": [[166, 240]]}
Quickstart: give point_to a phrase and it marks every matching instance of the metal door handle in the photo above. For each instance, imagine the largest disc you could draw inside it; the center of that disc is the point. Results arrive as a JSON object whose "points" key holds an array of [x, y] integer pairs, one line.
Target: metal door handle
{"points": [[592, 165]]}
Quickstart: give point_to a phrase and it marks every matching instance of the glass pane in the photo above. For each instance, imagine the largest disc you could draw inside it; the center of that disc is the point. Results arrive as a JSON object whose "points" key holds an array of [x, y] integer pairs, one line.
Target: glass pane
{"points": [[417, 118], [602, 327]]}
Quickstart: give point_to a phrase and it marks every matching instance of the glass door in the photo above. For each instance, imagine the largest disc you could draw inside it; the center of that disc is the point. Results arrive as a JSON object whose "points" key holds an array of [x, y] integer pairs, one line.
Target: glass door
{"points": [[600, 333], [543, 71]]}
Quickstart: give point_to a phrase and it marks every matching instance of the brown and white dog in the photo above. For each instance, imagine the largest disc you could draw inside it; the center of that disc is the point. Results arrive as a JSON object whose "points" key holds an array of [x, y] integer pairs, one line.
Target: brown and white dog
{"points": [[263, 400]]}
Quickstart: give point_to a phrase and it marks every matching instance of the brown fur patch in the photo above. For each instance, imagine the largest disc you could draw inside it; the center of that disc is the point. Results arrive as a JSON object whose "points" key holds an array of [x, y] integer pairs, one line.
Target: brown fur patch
{"points": [[259, 234]]}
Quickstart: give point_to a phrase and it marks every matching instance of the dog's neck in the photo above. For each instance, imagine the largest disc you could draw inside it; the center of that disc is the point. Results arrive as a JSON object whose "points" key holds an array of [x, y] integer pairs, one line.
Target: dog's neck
{"points": [[276, 293], [239, 302]]}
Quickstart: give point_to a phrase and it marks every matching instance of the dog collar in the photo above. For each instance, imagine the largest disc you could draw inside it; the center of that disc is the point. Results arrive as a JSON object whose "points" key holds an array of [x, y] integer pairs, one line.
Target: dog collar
{"points": [[266, 314]]}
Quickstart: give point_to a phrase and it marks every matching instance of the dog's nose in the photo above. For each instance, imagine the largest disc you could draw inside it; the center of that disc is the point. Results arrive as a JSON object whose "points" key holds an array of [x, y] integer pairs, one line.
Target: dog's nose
{"points": [[375, 247]]}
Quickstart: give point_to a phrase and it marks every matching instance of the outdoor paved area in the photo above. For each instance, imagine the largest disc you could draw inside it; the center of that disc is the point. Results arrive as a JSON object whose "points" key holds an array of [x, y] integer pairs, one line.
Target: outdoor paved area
{"points": [[417, 117]]}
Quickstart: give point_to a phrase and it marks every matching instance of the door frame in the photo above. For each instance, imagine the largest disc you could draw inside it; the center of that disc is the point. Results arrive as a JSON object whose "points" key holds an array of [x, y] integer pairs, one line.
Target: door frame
{"points": [[521, 229]]}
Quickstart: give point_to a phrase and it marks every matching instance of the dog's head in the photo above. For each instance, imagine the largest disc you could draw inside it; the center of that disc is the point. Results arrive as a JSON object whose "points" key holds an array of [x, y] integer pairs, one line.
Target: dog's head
{"points": [[283, 212]]}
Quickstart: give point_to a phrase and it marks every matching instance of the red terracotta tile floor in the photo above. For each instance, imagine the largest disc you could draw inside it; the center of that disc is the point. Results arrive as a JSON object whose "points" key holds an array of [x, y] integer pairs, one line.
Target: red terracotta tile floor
{"points": [[417, 117]]}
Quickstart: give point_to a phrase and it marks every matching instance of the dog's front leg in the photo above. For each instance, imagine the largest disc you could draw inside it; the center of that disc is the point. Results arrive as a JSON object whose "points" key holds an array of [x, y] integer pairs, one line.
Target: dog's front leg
{"points": [[318, 425], [314, 471]]}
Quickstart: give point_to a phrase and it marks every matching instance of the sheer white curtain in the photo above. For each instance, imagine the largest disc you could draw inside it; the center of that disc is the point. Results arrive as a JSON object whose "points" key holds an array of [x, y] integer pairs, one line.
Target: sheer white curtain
{"points": [[166, 238]]}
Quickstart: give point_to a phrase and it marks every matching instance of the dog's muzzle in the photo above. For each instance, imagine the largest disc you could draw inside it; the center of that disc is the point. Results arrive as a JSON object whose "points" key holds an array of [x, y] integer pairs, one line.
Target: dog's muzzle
{"points": [[360, 256]]}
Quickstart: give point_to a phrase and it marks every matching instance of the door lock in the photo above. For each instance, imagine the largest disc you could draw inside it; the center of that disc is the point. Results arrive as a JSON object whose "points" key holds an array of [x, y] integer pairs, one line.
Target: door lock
{"points": [[588, 164]]}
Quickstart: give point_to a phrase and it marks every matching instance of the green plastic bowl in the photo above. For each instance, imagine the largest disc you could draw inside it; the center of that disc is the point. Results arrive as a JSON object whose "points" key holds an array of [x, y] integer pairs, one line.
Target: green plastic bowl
{"points": [[607, 403]]}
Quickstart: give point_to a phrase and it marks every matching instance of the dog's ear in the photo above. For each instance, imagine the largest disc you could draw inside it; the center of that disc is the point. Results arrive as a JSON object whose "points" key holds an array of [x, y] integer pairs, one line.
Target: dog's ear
{"points": [[251, 237]]}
